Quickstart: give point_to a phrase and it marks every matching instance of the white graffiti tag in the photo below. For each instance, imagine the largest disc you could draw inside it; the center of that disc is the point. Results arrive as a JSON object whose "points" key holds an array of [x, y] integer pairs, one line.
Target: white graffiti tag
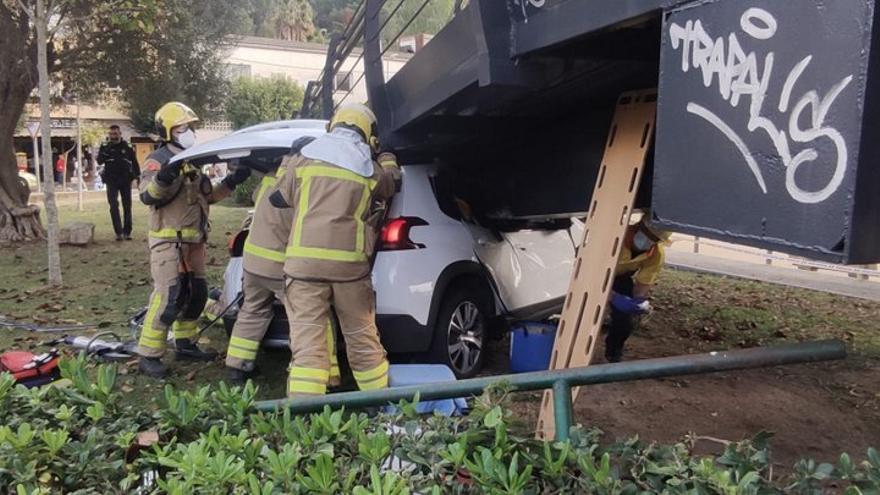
{"points": [[738, 74]]}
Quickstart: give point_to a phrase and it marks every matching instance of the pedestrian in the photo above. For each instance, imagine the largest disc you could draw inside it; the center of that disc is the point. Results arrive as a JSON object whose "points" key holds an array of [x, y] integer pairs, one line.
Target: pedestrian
{"points": [[60, 167], [263, 282], [338, 193], [120, 168], [178, 196], [639, 265]]}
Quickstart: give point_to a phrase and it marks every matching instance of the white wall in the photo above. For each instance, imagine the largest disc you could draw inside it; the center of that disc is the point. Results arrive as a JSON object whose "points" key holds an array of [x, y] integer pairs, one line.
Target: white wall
{"points": [[303, 63]]}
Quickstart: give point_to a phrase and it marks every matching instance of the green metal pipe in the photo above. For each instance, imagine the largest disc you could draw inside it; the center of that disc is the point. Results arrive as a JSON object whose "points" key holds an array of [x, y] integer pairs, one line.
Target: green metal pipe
{"points": [[807, 352], [562, 409]]}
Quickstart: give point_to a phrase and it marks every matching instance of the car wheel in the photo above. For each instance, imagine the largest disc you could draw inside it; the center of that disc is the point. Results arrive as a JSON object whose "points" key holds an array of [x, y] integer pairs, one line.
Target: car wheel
{"points": [[460, 332]]}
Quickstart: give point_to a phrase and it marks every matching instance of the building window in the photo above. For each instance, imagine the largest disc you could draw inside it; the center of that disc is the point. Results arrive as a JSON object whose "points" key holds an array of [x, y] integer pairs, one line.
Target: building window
{"points": [[343, 81], [234, 71]]}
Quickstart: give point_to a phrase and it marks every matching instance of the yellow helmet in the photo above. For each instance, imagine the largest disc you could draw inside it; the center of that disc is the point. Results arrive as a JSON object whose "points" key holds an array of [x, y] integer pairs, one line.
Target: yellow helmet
{"points": [[657, 234], [173, 114], [359, 117]]}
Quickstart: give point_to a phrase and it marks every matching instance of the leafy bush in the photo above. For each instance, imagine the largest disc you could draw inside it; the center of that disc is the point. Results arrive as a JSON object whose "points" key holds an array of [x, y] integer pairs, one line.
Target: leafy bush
{"points": [[244, 193], [256, 100], [79, 439]]}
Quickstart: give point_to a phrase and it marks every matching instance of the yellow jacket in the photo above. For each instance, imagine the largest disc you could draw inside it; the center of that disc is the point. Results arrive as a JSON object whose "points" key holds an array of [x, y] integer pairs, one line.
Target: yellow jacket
{"points": [[646, 266]]}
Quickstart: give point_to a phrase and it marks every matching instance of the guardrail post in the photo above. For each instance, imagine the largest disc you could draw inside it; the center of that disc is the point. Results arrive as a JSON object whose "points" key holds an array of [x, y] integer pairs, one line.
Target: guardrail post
{"points": [[562, 406]]}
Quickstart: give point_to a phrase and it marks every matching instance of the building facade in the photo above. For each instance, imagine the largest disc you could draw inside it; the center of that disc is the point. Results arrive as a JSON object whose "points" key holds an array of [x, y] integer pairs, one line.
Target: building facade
{"points": [[249, 56]]}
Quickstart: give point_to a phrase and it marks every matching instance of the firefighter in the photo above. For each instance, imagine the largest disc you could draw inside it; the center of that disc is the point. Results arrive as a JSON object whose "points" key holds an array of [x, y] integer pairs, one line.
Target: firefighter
{"points": [[338, 194], [178, 196], [263, 281], [639, 265]]}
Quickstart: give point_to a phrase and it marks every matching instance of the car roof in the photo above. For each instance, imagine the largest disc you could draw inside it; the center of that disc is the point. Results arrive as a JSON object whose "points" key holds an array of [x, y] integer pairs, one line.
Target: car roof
{"points": [[286, 124], [258, 139]]}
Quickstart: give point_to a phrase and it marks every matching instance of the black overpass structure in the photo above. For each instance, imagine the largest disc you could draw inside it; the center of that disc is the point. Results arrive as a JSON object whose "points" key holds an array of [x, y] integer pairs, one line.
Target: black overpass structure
{"points": [[767, 129]]}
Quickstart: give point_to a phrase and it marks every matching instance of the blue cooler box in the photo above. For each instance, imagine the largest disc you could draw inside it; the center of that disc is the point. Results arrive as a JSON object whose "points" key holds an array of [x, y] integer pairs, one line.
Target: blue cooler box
{"points": [[531, 345]]}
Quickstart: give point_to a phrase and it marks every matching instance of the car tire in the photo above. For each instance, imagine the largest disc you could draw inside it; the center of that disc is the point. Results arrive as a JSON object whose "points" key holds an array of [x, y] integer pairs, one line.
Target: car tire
{"points": [[461, 330]]}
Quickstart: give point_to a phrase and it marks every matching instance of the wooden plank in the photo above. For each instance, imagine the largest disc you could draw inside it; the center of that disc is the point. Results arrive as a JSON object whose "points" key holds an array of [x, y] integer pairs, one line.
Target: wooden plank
{"points": [[629, 139]]}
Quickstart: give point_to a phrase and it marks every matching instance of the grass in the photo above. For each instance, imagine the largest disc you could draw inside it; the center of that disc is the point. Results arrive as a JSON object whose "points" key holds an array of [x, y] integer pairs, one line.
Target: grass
{"points": [[108, 281], [714, 312], [104, 283]]}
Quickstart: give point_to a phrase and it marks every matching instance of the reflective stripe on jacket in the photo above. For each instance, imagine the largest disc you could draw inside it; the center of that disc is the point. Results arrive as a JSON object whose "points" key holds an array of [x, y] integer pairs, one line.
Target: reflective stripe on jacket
{"points": [[269, 231], [337, 214], [178, 211]]}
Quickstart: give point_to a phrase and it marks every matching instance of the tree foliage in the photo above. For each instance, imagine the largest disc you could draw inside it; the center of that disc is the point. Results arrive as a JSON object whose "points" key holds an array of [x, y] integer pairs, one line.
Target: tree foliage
{"points": [[150, 51], [292, 20], [181, 57], [318, 20], [333, 15], [254, 100], [430, 20]]}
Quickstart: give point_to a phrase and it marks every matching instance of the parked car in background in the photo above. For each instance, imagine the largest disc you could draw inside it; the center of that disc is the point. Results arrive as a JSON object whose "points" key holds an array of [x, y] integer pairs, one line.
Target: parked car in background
{"points": [[440, 275]]}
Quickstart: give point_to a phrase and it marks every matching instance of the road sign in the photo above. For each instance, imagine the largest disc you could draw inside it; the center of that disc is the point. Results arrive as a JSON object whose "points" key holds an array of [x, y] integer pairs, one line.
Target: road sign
{"points": [[33, 128]]}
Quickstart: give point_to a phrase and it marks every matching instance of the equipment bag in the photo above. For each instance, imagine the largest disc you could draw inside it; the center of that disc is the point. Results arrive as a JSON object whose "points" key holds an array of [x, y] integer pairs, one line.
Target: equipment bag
{"points": [[29, 369]]}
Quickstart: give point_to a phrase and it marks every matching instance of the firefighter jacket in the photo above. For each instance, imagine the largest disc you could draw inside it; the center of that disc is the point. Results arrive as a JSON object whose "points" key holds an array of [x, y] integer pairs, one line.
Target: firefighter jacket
{"points": [[179, 210], [337, 214], [269, 231]]}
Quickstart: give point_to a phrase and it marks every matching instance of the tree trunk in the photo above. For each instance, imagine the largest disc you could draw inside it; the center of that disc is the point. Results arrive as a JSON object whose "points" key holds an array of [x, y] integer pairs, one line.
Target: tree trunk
{"points": [[18, 221], [42, 25]]}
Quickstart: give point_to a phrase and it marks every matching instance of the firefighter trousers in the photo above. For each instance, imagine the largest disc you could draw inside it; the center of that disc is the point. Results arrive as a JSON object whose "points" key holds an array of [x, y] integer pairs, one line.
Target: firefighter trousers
{"points": [[254, 318], [308, 308], [180, 292]]}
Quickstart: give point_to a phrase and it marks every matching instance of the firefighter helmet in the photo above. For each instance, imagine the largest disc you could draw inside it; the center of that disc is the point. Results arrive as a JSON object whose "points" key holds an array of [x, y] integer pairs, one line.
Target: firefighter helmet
{"points": [[358, 117], [171, 115]]}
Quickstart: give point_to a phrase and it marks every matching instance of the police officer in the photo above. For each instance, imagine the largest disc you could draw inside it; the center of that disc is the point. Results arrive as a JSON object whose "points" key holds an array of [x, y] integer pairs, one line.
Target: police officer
{"points": [[178, 196], [338, 194], [120, 168], [263, 283], [639, 265]]}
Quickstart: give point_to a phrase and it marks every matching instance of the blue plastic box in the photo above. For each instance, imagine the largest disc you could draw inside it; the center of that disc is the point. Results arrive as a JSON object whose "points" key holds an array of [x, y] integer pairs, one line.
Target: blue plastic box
{"points": [[531, 345]]}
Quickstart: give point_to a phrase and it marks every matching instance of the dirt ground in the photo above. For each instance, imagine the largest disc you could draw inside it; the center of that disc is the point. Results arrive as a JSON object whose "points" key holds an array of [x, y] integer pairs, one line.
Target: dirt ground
{"points": [[815, 411]]}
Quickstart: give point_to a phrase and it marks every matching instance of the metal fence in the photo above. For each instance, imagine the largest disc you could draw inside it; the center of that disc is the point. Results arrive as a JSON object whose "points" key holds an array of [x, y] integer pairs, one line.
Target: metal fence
{"points": [[561, 381]]}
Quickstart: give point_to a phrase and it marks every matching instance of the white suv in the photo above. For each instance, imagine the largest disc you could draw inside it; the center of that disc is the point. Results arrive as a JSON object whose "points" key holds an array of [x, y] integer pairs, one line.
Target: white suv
{"points": [[440, 275]]}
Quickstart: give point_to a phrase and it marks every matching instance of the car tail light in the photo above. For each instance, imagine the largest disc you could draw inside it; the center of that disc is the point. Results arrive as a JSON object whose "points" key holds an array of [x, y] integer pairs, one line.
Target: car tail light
{"points": [[395, 234]]}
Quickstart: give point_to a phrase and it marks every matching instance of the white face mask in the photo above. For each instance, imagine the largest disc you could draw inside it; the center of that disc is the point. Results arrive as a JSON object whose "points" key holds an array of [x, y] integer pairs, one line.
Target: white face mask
{"points": [[186, 139], [642, 242]]}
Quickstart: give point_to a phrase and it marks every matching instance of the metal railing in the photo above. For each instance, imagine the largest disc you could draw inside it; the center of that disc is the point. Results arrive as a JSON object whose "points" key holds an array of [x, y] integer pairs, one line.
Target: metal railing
{"points": [[561, 381], [318, 100]]}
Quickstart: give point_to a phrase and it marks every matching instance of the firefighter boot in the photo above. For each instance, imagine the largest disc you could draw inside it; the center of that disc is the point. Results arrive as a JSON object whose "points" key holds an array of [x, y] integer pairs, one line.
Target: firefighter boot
{"points": [[186, 350], [151, 367], [235, 376]]}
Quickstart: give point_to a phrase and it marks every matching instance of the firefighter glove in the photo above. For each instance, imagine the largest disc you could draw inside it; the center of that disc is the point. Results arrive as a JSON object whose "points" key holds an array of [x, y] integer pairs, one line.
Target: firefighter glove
{"points": [[168, 173], [236, 176]]}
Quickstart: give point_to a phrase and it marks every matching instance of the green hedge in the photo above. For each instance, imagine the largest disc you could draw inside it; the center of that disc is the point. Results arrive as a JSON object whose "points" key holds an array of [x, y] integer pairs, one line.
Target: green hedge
{"points": [[244, 193], [79, 439]]}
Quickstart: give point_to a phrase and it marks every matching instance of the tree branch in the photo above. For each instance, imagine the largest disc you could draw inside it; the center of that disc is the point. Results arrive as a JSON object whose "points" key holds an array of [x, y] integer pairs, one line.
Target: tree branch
{"points": [[30, 12]]}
